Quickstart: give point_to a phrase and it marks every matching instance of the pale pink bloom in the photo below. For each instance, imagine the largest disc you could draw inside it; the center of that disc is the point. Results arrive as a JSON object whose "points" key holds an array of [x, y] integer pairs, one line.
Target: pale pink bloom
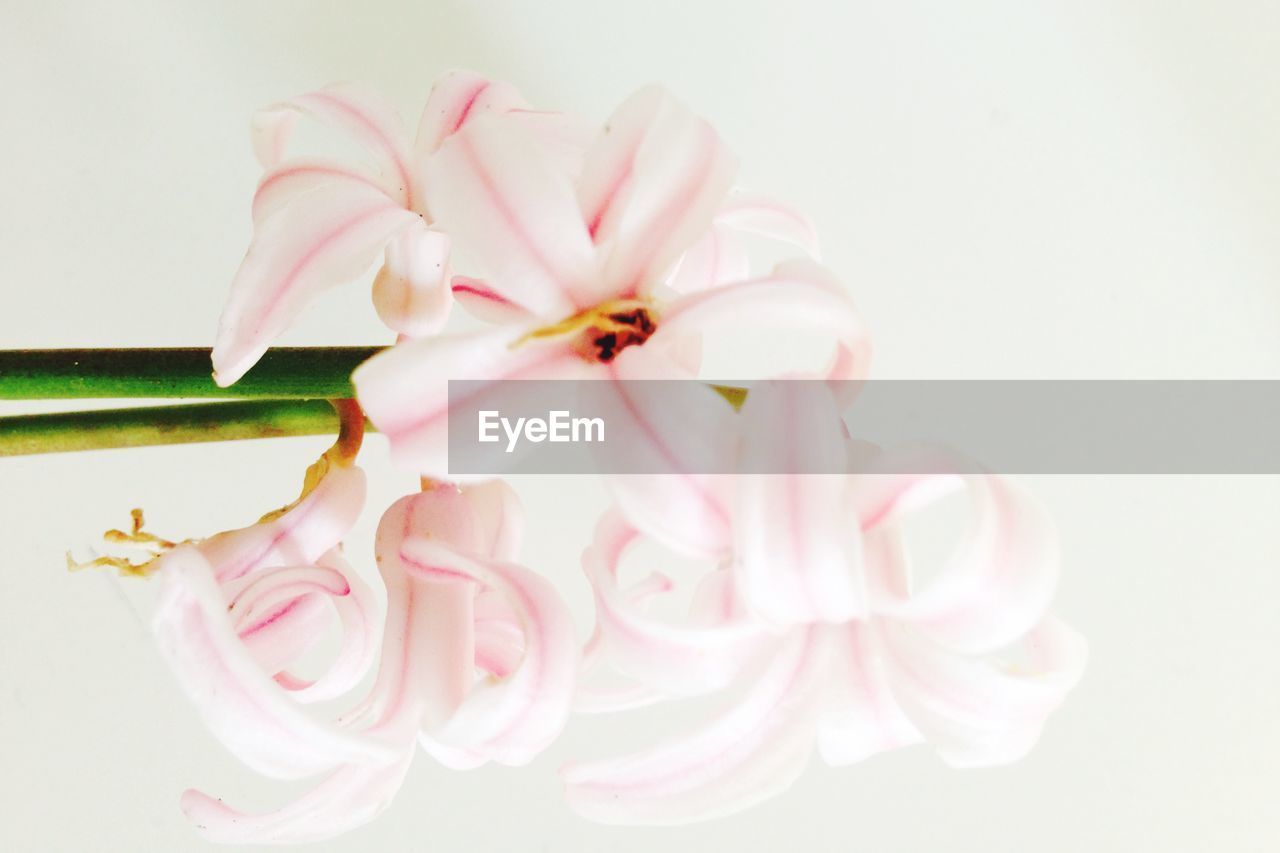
{"points": [[235, 611], [968, 661], [321, 221], [576, 264], [478, 664]]}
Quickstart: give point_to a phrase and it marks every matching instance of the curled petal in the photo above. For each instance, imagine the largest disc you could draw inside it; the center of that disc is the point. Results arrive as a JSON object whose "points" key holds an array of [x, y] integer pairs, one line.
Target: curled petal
{"points": [[300, 535], [249, 713], [998, 581], [752, 752], [405, 390], [514, 215], [680, 660], [411, 292], [798, 294], [798, 554], [349, 797], [513, 719], [979, 712], [861, 717], [359, 644], [717, 258], [757, 214], [361, 114], [328, 236], [650, 185]]}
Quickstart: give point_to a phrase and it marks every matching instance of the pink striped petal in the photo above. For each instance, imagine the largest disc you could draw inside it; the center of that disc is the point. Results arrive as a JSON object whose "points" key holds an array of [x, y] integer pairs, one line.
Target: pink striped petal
{"points": [[797, 549], [756, 214], [456, 97], [752, 752], [247, 711], [299, 536], [675, 501], [718, 257], [349, 797], [797, 295], [650, 185], [511, 720], [283, 612], [361, 114], [285, 182], [980, 712], [998, 581], [330, 235], [358, 620], [411, 292], [680, 660], [514, 216], [405, 390], [861, 717], [484, 303]]}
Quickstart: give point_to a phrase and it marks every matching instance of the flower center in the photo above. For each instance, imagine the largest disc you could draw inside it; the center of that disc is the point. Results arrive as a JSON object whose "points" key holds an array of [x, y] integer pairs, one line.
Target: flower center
{"points": [[604, 330]]}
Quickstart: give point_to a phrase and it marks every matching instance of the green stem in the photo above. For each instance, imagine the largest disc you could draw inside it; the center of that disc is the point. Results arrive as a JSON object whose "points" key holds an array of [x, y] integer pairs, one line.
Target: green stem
{"points": [[283, 373], [141, 427], [291, 387]]}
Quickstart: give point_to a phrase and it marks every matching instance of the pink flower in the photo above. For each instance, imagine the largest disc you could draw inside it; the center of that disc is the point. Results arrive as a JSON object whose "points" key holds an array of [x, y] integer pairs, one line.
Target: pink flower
{"points": [[236, 610], [320, 221], [967, 661], [457, 606], [575, 263]]}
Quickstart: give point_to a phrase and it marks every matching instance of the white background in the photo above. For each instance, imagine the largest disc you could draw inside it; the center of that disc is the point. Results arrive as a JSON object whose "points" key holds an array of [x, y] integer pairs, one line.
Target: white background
{"points": [[1010, 189]]}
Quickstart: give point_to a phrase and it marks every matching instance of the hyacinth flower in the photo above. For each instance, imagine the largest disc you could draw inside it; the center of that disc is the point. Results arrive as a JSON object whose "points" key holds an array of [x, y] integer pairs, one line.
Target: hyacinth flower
{"points": [[831, 637], [478, 664], [575, 264], [478, 655], [322, 221]]}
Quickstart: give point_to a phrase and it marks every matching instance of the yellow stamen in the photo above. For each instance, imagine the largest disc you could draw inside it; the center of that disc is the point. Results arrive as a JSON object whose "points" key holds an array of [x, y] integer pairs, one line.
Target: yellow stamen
{"points": [[600, 317]]}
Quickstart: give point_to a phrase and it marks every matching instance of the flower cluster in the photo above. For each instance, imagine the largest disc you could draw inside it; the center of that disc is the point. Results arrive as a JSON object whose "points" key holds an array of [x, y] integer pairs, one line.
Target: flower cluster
{"points": [[597, 253]]}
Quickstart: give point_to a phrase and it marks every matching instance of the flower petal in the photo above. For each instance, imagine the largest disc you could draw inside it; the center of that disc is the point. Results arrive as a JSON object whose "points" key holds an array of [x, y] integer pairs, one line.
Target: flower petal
{"points": [[978, 712], [757, 214], [248, 712], [862, 716], [752, 752], [411, 292], [718, 257], [998, 581], [286, 181], [456, 97], [405, 390], [650, 185], [675, 432], [679, 660], [359, 644], [360, 113], [513, 214], [513, 719], [298, 536], [797, 549], [328, 236], [484, 303], [349, 797], [799, 294]]}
